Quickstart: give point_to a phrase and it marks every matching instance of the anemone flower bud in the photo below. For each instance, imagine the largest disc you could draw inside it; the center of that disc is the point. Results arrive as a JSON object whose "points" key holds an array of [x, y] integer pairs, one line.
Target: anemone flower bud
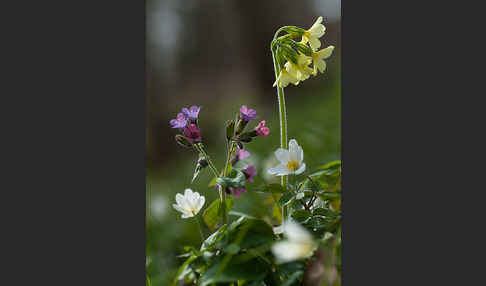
{"points": [[193, 133]]}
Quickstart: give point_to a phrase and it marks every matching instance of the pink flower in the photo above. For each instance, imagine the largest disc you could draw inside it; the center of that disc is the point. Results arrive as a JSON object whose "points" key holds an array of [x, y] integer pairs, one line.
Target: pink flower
{"points": [[240, 154], [193, 134], [237, 191], [249, 172], [261, 129], [247, 114]]}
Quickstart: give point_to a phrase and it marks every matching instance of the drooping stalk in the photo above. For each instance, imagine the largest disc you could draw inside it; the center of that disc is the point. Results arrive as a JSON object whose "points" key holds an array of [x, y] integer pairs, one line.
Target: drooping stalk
{"points": [[283, 121]]}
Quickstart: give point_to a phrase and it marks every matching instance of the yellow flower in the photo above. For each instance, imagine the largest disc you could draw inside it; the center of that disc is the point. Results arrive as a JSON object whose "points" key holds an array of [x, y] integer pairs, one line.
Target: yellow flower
{"points": [[284, 78], [313, 34], [319, 58], [301, 70]]}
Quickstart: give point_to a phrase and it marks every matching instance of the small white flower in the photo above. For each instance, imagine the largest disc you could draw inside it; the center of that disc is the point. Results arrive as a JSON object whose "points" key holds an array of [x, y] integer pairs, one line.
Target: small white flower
{"points": [[291, 161], [299, 244], [189, 204], [313, 34]]}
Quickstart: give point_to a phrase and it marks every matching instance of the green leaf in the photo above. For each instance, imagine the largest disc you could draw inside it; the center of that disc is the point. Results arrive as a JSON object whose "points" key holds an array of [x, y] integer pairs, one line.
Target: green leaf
{"points": [[232, 248], [285, 199], [329, 195], [317, 222], [182, 269], [300, 215], [212, 213], [324, 212], [334, 165], [213, 182], [237, 179], [214, 238], [257, 233], [293, 278], [234, 270]]}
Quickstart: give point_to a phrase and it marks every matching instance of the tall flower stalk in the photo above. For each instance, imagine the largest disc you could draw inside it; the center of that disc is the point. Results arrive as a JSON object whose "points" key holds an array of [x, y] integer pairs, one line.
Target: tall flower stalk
{"points": [[291, 62]]}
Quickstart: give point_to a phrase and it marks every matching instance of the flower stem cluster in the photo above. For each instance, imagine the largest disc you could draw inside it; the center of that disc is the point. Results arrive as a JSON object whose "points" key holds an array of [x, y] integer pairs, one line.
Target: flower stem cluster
{"points": [[294, 57]]}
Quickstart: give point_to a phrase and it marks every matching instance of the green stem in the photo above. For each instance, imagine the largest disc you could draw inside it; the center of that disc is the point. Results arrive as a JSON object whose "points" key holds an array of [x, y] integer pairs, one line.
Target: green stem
{"points": [[199, 227], [222, 195], [283, 121]]}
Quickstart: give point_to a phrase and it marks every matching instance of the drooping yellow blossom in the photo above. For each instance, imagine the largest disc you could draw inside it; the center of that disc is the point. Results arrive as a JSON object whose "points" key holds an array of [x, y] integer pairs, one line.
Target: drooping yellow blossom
{"points": [[313, 34], [301, 70], [284, 78], [319, 58]]}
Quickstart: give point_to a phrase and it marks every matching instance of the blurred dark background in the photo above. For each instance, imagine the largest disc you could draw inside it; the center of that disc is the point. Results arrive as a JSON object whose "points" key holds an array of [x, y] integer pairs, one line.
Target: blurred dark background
{"points": [[216, 54]]}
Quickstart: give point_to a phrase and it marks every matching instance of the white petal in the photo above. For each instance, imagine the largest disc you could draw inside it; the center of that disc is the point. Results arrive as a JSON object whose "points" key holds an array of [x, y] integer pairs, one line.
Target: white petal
{"points": [[301, 169], [279, 170], [178, 208], [181, 201], [295, 232], [200, 204], [195, 200], [282, 155], [286, 251], [293, 149], [188, 193], [186, 215]]}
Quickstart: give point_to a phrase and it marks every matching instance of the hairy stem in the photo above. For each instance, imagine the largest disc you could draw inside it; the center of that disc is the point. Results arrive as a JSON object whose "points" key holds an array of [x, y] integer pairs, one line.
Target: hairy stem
{"points": [[283, 122]]}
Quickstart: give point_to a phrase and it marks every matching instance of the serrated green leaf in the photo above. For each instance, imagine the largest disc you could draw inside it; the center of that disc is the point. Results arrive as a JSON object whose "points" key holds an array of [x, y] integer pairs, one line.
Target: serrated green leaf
{"points": [[285, 199], [300, 215], [324, 212], [317, 222]]}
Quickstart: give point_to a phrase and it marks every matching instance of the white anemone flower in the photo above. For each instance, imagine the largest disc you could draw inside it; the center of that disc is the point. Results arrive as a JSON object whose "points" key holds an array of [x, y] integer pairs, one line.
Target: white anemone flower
{"points": [[291, 161], [313, 34], [297, 245], [189, 204]]}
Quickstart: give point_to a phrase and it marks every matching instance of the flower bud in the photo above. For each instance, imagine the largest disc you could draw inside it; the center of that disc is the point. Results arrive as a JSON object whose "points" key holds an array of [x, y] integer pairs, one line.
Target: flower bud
{"points": [[241, 126], [230, 129], [181, 140]]}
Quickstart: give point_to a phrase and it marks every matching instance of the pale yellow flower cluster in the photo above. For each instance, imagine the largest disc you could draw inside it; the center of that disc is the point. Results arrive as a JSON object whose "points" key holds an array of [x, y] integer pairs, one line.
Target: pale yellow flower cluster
{"points": [[296, 72]]}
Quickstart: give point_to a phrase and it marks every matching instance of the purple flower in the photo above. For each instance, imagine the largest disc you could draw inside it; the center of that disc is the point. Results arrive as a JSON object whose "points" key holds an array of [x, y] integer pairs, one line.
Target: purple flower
{"points": [[237, 191], [249, 172], [193, 134], [262, 130], [247, 114], [240, 154], [179, 122], [192, 112]]}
